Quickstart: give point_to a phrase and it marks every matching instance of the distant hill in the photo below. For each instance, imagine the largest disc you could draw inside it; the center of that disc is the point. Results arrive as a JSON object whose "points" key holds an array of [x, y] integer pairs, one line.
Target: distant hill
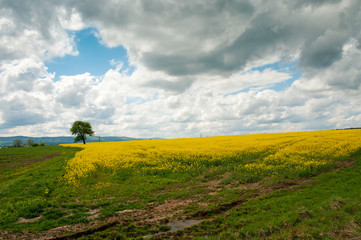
{"points": [[8, 141]]}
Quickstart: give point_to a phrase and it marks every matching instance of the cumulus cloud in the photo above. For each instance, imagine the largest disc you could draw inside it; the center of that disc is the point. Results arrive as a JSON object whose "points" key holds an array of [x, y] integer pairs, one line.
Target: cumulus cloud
{"points": [[71, 90], [30, 30], [180, 85], [211, 67]]}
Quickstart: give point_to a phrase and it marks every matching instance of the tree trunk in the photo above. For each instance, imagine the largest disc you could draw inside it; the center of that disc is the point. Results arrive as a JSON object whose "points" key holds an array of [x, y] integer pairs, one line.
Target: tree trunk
{"points": [[82, 138]]}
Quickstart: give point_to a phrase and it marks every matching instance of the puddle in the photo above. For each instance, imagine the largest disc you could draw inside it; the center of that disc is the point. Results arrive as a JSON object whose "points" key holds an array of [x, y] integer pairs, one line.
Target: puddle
{"points": [[176, 226]]}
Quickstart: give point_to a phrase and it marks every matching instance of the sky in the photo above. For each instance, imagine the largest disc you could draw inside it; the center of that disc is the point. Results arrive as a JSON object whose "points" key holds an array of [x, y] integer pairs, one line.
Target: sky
{"points": [[173, 69]]}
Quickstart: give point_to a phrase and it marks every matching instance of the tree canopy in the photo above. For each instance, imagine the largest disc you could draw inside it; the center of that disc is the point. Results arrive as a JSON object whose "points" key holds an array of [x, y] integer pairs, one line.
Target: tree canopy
{"points": [[81, 130]]}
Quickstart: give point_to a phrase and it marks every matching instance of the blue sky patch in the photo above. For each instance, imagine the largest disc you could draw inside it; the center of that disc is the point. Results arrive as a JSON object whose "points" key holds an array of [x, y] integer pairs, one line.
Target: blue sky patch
{"points": [[290, 68], [93, 57]]}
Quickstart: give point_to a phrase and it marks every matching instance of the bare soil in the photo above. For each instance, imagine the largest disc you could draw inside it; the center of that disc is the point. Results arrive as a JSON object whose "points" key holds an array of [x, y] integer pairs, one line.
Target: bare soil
{"points": [[26, 162]]}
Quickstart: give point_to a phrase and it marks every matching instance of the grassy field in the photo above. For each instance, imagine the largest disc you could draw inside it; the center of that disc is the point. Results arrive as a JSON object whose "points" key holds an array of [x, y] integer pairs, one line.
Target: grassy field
{"points": [[266, 186]]}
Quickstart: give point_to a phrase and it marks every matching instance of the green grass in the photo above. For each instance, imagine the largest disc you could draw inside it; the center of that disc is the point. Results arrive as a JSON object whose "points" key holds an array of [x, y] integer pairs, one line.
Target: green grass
{"points": [[330, 208], [31, 186]]}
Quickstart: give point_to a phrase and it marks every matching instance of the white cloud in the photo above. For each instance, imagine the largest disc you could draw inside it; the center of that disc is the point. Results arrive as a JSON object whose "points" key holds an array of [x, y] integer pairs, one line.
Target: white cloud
{"points": [[70, 19], [71, 91], [31, 31]]}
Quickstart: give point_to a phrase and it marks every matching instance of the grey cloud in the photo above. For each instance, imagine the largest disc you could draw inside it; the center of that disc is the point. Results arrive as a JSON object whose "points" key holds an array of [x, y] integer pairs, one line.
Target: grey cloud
{"points": [[342, 77], [186, 115], [14, 118], [102, 113], [258, 39], [32, 29], [235, 6], [319, 125], [20, 82], [176, 64], [256, 106], [324, 51], [71, 99], [24, 80], [314, 3], [295, 118], [16, 112], [30, 14], [271, 119], [321, 57], [123, 12], [350, 81], [110, 13], [178, 86], [174, 103], [26, 75]]}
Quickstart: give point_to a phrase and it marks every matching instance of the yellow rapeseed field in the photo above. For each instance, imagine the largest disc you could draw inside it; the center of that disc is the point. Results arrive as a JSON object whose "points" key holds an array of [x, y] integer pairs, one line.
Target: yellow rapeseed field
{"points": [[261, 154]]}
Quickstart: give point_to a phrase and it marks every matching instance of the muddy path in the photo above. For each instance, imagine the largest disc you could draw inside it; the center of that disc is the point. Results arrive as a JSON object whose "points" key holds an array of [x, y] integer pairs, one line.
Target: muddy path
{"points": [[6, 162]]}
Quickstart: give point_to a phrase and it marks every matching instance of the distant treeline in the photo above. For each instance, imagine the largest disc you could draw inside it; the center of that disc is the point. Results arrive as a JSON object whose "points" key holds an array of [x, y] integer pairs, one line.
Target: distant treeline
{"points": [[348, 128], [8, 141]]}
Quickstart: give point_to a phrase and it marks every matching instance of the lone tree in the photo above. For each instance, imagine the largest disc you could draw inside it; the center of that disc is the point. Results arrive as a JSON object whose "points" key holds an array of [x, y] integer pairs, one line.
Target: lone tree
{"points": [[81, 129]]}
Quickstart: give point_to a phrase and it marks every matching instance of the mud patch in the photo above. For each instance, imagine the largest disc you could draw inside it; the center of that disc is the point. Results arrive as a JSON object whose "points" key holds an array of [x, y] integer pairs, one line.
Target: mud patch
{"points": [[343, 164], [28, 220], [125, 211], [94, 213], [351, 231], [218, 209], [166, 212]]}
